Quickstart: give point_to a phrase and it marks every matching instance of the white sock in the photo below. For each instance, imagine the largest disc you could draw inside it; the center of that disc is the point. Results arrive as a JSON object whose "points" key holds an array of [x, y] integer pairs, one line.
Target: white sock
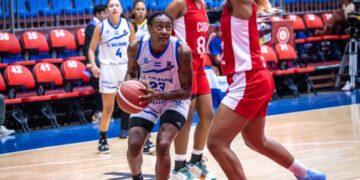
{"points": [[180, 157], [197, 152], [298, 168]]}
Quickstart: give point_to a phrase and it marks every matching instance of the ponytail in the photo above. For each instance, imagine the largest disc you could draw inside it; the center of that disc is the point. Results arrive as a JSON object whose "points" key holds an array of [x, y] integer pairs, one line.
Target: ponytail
{"points": [[264, 6]]}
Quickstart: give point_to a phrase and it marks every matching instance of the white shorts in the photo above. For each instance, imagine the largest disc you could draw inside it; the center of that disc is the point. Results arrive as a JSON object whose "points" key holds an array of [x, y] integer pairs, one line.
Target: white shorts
{"points": [[111, 76], [154, 111]]}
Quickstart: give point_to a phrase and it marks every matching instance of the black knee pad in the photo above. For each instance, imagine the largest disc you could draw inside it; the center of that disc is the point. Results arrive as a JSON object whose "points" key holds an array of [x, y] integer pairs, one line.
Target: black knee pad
{"points": [[141, 122], [174, 118]]}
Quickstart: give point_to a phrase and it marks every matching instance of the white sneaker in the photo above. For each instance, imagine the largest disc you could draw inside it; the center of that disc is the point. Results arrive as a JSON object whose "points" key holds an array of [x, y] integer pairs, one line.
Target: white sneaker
{"points": [[182, 174], [5, 131], [96, 117], [199, 170], [348, 86]]}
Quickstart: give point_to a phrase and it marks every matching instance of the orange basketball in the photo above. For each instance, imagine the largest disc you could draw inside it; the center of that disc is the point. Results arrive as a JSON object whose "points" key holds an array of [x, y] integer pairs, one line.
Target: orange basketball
{"points": [[128, 96]]}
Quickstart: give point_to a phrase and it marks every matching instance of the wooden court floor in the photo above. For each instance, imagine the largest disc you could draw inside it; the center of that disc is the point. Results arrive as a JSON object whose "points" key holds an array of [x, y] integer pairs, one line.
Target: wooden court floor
{"points": [[326, 139]]}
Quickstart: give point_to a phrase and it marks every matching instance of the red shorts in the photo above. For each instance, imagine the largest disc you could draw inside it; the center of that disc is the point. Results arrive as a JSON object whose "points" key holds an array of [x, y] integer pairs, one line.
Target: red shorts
{"points": [[200, 82], [249, 93]]}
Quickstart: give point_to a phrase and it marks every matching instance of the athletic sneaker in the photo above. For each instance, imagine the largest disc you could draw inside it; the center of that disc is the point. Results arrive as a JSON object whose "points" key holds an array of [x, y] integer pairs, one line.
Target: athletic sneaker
{"points": [[183, 174], [313, 175], [96, 117], [4, 131], [348, 86], [199, 170], [149, 147], [103, 147]]}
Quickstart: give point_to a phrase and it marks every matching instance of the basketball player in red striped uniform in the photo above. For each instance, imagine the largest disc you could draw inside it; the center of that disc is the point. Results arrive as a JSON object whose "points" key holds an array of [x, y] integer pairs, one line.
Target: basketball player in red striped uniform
{"points": [[243, 109], [191, 26]]}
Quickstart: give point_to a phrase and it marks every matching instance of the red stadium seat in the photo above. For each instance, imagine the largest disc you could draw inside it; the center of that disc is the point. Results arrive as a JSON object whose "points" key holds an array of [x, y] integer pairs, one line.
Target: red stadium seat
{"points": [[313, 21], [268, 54], [9, 43], [298, 23], [34, 41], [47, 73], [326, 17], [62, 39], [2, 84], [10, 50], [75, 70], [286, 54], [80, 37], [18, 75]]}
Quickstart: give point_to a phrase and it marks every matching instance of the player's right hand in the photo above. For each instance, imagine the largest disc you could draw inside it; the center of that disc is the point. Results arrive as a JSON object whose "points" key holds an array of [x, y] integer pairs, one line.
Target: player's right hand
{"points": [[95, 71]]}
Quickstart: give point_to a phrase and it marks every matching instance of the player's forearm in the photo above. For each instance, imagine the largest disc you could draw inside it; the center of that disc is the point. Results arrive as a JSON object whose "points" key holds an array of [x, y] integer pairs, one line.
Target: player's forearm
{"points": [[130, 76], [175, 94], [91, 55]]}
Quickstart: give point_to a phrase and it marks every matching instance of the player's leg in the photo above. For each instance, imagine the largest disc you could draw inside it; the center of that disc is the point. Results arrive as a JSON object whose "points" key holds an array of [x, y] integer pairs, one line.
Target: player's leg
{"points": [[108, 107], [140, 126], [226, 127], [170, 124], [182, 139], [205, 113], [107, 87]]}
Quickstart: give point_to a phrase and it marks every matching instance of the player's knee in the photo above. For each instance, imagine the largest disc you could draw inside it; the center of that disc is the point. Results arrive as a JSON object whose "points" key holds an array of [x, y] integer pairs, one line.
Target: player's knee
{"points": [[163, 147], [212, 145], [255, 144], [135, 147]]}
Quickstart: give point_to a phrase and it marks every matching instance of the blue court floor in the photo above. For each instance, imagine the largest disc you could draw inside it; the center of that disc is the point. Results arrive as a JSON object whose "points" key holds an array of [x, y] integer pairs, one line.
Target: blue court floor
{"points": [[81, 133]]}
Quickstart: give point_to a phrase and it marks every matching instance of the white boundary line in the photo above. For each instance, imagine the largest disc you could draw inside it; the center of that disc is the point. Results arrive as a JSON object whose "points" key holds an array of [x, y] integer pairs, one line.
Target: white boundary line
{"points": [[76, 143], [101, 157]]}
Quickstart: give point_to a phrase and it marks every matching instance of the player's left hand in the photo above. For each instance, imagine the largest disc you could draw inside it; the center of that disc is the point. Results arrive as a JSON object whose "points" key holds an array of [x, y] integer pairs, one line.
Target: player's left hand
{"points": [[150, 95]]}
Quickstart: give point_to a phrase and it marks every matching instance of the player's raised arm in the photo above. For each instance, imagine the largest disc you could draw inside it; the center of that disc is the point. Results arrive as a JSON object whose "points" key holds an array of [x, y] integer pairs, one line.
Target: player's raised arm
{"points": [[133, 66]]}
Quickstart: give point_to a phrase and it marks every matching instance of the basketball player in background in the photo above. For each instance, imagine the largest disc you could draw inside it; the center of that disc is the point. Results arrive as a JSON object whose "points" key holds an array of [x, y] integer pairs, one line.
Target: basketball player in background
{"points": [[191, 25], [243, 109], [112, 37], [165, 68]]}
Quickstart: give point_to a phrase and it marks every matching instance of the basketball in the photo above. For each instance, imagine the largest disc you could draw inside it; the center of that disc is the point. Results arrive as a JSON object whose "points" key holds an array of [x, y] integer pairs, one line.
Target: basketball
{"points": [[128, 96]]}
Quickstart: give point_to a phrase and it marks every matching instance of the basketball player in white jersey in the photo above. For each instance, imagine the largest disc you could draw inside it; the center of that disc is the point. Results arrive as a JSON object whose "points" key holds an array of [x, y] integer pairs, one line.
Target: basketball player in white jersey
{"points": [[165, 67], [112, 37]]}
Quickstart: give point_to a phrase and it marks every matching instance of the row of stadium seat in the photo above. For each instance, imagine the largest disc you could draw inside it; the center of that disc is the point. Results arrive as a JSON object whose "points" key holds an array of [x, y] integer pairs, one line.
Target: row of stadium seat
{"points": [[283, 64], [319, 48], [33, 45], [41, 87]]}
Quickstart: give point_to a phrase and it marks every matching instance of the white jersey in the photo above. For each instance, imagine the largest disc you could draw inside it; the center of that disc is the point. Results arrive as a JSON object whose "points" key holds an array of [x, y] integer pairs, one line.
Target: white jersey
{"points": [[114, 42], [142, 30], [160, 70]]}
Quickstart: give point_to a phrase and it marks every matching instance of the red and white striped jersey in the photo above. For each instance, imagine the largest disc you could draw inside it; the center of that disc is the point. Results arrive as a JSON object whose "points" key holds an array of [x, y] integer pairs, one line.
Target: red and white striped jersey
{"points": [[192, 28], [241, 43]]}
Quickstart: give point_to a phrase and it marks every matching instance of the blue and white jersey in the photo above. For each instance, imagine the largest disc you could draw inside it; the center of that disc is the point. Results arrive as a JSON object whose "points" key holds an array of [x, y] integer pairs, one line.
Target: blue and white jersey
{"points": [[114, 42], [160, 70]]}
